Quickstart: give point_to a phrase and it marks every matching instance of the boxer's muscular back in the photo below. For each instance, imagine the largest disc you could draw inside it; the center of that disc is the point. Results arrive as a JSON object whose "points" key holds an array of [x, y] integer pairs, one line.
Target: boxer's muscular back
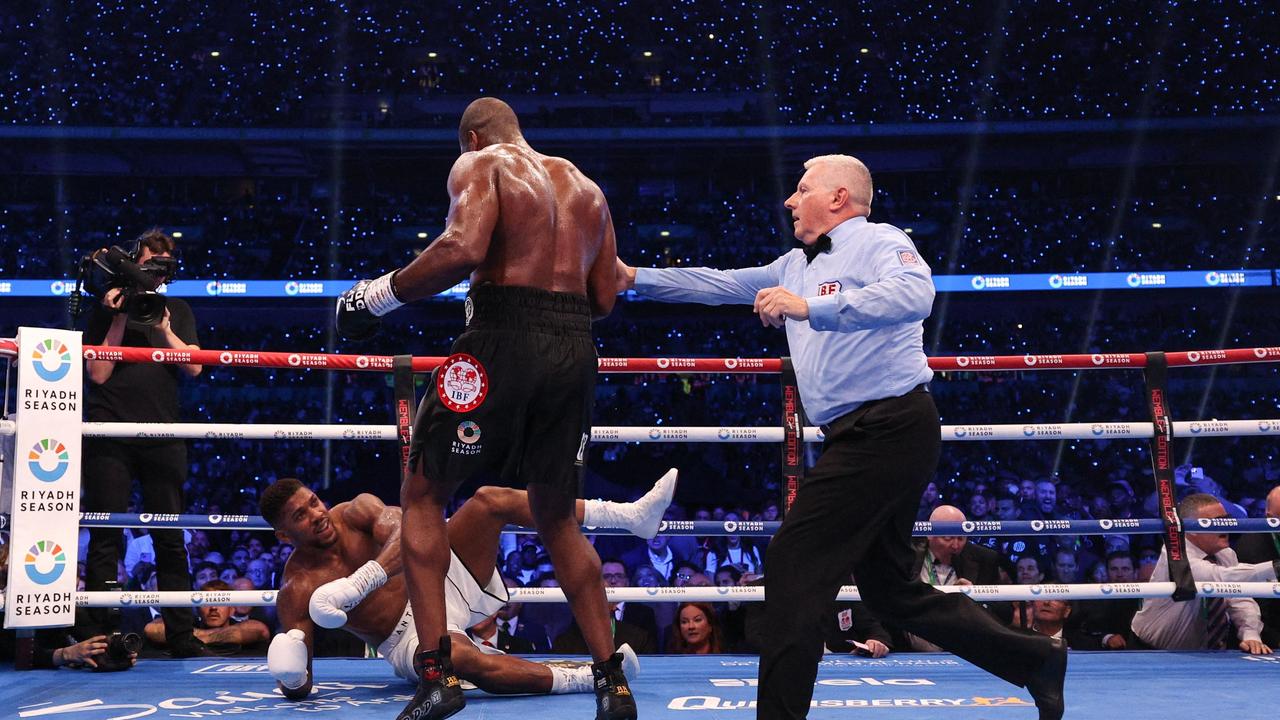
{"points": [[517, 217], [551, 222]]}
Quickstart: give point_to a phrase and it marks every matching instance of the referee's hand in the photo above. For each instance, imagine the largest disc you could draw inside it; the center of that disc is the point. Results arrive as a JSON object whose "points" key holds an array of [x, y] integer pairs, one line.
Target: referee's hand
{"points": [[776, 305]]}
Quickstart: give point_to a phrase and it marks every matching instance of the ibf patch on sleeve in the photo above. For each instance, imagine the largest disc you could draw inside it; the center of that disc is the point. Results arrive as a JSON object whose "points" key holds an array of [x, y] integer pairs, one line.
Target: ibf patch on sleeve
{"points": [[906, 257], [830, 287]]}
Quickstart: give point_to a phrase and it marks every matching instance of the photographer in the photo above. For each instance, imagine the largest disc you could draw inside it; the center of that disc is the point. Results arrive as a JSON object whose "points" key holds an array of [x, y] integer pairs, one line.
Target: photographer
{"points": [[130, 316]]}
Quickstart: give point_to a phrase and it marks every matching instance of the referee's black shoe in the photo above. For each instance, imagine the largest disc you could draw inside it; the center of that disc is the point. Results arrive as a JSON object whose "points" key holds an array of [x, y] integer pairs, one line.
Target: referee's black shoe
{"points": [[1046, 684], [613, 696], [439, 692]]}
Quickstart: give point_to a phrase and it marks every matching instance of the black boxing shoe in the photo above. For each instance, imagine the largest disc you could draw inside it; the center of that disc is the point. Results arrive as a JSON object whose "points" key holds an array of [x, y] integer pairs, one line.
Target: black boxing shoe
{"points": [[1045, 685], [613, 696], [439, 692]]}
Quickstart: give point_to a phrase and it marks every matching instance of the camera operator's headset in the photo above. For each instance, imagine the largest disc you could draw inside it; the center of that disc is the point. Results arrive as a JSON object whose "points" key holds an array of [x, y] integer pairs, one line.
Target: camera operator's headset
{"points": [[134, 251]]}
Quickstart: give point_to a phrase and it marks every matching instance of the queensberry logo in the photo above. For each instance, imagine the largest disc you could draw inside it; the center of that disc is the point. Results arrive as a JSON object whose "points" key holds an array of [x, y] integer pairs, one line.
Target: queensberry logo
{"points": [[50, 351], [45, 562], [48, 447]]}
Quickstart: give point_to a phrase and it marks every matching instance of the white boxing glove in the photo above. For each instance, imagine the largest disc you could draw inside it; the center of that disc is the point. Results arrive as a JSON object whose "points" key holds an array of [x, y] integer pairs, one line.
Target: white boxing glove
{"points": [[287, 659], [331, 601]]}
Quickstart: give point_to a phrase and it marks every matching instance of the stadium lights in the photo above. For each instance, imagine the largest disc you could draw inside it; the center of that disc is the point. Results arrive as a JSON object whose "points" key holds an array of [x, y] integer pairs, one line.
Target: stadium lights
{"points": [[422, 235], [906, 230], [648, 53], [433, 55], [665, 233], [177, 233], [864, 51], [215, 53], [1156, 225]]}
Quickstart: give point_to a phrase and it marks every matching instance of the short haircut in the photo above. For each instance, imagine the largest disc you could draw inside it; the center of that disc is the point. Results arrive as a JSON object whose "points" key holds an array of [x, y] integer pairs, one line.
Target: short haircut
{"points": [[215, 585], [848, 172], [491, 119], [1191, 505], [275, 497], [1120, 555], [157, 242]]}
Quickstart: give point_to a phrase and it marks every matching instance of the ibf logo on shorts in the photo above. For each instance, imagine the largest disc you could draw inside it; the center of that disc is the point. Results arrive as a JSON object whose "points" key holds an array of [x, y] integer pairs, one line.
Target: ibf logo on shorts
{"points": [[831, 287]]}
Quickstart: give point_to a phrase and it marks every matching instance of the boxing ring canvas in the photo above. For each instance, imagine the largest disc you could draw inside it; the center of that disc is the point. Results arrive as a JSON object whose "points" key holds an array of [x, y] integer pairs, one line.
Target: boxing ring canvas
{"points": [[919, 685]]}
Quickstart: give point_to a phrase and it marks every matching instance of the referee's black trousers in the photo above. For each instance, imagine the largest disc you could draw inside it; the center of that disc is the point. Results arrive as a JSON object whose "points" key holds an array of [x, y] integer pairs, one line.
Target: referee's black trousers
{"points": [[854, 514]]}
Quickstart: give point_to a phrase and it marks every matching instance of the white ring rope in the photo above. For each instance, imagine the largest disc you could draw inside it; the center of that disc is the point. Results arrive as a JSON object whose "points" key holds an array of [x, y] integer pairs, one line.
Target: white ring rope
{"points": [[672, 433], [996, 593]]}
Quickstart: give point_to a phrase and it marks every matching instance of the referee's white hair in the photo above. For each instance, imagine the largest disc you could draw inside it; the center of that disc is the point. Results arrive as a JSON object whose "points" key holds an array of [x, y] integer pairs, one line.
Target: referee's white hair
{"points": [[846, 171]]}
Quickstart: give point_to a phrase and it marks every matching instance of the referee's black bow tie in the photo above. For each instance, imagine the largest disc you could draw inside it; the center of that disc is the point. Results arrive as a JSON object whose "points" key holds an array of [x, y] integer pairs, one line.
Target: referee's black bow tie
{"points": [[821, 245]]}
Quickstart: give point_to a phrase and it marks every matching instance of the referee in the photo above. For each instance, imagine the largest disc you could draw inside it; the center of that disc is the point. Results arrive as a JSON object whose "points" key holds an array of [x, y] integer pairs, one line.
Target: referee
{"points": [[853, 301]]}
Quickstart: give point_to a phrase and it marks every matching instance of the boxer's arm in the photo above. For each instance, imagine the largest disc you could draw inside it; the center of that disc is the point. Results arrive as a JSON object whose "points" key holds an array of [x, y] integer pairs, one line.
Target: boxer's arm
{"points": [[368, 514], [291, 609], [473, 215], [601, 281]]}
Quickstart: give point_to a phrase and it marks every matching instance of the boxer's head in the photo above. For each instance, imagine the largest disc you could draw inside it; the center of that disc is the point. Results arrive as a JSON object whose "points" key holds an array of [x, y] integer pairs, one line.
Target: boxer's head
{"points": [[297, 514], [833, 189], [488, 121]]}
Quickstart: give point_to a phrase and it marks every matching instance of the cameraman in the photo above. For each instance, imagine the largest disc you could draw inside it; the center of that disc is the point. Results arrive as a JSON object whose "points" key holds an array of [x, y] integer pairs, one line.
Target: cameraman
{"points": [[138, 392]]}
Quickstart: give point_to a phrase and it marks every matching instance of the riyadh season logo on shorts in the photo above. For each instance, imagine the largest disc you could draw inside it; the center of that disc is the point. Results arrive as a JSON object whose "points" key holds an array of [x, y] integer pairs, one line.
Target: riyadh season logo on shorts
{"points": [[50, 352], [40, 456], [45, 562], [468, 432]]}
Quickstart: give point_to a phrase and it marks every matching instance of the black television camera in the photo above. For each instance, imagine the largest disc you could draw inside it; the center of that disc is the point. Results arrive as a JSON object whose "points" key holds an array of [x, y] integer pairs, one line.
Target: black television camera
{"points": [[116, 268]]}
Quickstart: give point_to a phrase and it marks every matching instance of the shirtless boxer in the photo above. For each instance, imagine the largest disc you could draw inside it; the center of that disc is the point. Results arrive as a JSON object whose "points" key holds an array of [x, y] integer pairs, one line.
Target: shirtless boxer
{"points": [[514, 398], [345, 572]]}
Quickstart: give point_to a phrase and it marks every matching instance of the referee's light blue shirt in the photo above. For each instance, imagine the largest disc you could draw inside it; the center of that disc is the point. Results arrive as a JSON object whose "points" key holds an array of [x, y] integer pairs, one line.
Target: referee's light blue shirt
{"points": [[868, 298]]}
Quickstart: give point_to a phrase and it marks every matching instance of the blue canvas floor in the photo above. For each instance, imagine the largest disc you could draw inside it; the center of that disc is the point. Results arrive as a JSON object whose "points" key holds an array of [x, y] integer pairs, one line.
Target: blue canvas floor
{"points": [[1134, 685]]}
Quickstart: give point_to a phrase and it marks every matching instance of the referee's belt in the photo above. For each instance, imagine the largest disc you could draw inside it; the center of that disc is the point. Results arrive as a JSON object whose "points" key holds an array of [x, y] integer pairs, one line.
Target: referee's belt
{"points": [[826, 429]]}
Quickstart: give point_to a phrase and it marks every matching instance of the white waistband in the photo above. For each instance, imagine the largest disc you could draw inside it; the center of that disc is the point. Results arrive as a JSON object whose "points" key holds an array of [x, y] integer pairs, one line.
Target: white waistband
{"points": [[402, 626]]}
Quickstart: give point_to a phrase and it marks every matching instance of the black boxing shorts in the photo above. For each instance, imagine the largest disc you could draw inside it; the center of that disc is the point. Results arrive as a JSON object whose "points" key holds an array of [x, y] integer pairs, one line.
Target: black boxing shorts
{"points": [[514, 398]]}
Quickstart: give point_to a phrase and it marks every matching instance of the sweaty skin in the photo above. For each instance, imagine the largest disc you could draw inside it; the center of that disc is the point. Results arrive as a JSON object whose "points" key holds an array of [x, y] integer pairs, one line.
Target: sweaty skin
{"points": [[332, 543], [518, 217]]}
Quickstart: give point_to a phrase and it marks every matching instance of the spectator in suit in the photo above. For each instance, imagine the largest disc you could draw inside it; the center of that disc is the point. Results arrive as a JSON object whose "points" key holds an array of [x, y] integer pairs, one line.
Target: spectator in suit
{"points": [[487, 634], [697, 630], [1052, 618], [1262, 548], [642, 640], [953, 560], [508, 620], [1209, 623], [638, 614], [1110, 621], [657, 553]]}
